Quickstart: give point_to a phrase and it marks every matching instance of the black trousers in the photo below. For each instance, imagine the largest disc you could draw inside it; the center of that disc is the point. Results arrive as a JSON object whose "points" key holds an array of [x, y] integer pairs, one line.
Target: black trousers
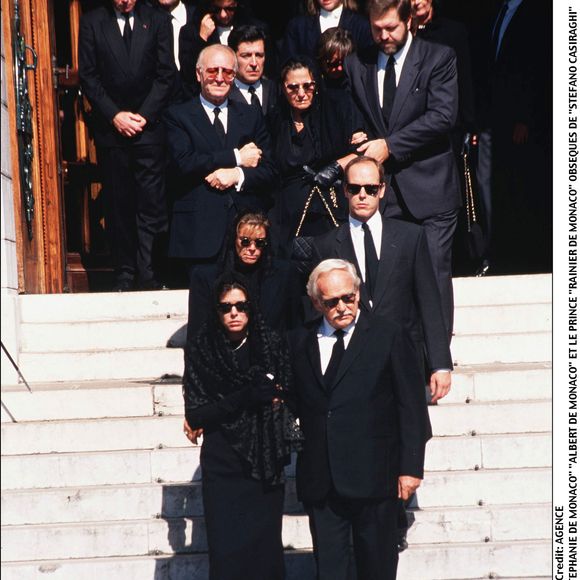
{"points": [[373, 524], [439, 231], [135, 208]]}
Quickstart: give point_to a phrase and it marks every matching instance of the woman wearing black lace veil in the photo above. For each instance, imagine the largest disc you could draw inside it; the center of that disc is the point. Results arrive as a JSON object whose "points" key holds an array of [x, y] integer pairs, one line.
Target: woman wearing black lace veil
{"points": [[236, 375]]}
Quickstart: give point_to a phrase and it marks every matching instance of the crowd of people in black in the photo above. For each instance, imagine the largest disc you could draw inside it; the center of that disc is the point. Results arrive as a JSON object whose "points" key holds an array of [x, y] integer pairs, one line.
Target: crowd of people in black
{"points": [[273, 148]]}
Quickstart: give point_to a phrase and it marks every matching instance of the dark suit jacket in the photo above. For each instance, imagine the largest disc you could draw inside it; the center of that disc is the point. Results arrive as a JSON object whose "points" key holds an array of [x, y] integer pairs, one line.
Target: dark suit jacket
{"points": [[303, 34], [114, 81], [200, 213], [370, 426], [406, 291], [423, 114], [270, 96]]}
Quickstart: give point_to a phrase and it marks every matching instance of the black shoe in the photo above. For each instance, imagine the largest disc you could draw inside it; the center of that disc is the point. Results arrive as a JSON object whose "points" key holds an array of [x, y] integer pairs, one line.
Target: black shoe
{"points": [[483, 270], [402, 543], [123, 286], [152, 285]]}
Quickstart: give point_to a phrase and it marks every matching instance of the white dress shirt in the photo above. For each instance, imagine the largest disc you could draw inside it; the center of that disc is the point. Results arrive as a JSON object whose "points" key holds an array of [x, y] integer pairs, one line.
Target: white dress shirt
{"points": [[121, 21], [327, 338], [224, 34], [223, 117], [400, 57], [329, 18], [178, 19], [357, 235], [246, 93]]}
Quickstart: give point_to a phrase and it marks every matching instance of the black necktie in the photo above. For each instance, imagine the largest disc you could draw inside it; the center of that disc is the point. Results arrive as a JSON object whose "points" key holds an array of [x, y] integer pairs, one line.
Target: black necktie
{"points": [[127, 33], [219, 126], [335, 358], [389, 88], [499, 22], [371, 261], [254, 100]]}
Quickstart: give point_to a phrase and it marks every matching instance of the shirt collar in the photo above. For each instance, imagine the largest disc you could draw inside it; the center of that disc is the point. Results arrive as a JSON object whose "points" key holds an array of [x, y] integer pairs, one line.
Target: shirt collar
{"points": [[372, 221], [244, 87], [331, 14], [179, 13], [326, 329], [210, 106]]}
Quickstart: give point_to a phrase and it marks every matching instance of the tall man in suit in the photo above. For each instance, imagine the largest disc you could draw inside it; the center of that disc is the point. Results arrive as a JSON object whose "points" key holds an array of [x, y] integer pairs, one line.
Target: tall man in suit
{"points": [[406, 91], [392, 259], [360, 399], [219, 155], [250, 85], [127, 73]]}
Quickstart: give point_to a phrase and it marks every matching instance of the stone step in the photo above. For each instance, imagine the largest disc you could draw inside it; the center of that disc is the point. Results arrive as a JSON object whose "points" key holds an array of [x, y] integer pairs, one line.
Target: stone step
{"points": [[157, 330], [479, 349], [153, 432], [502, 318], [41, 471], [180, 535], [508, 560], [502, 290], [174, 500], [100, 399]]}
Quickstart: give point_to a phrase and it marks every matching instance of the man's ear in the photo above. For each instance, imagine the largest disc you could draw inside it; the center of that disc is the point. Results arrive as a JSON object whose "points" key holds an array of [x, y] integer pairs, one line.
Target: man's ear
{"points": [[197, 75]]}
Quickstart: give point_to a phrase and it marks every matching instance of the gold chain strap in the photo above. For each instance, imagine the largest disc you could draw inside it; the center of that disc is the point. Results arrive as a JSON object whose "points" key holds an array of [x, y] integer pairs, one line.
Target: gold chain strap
{"points": [[316, 190], [470, 202]]}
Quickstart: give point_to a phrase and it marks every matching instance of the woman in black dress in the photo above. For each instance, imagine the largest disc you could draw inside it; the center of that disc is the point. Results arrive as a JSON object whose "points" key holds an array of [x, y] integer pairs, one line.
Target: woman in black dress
{"points": [[236, 373], [312, 136]]}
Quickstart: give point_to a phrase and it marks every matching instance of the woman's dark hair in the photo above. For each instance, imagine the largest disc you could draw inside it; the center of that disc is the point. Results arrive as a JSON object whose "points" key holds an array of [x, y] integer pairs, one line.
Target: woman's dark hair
{"points": [[334, 40], [296, 64], [313, 8]]}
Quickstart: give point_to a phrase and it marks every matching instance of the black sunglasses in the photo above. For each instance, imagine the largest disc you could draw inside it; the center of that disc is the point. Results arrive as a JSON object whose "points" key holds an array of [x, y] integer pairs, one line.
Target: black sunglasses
{"points": [[307, 87], [333, 302], [260, 243], [370, 188], [225, 307]]}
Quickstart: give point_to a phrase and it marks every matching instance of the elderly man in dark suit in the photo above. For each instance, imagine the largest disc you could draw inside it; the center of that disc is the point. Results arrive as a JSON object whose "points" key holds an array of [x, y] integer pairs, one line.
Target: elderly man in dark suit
{"points": [[406, 91], [127, 73], [360, 399], [250, 86], [219, 155]]}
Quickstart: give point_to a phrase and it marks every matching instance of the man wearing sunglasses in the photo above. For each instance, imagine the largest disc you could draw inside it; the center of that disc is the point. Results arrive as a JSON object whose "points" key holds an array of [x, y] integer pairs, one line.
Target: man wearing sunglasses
{"points": [[360, 398], [406, 91], [219, 156]]}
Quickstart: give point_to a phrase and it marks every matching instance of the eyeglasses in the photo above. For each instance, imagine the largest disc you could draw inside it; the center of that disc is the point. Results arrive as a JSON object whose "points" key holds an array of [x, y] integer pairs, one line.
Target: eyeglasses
{"points": [[225, 307], [335, 63], [333, 302], [227, 73], [260, 243], [370, 188], [217, 9], [308, 87]]}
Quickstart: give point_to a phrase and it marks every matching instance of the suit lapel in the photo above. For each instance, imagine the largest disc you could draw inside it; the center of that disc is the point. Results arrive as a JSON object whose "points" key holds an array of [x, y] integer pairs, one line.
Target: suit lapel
{"points": [[406, 80], [203, 125], [141, 28], [112, 35], [313, 355], [386, 262], [371, 93], [355, 345], [235, 124]]}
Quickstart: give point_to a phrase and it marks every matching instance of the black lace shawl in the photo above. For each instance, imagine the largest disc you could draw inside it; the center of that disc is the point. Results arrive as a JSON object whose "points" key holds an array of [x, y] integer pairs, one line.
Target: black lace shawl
{"points": [[261, 435]]}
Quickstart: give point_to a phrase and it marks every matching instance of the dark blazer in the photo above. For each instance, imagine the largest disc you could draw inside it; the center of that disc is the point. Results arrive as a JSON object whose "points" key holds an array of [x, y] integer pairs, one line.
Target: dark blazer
{"points": [[406, 291], [200, 213], [370, 426], [303, 34], [423, 114], [279, 296], [114, 81], [270, 96]]}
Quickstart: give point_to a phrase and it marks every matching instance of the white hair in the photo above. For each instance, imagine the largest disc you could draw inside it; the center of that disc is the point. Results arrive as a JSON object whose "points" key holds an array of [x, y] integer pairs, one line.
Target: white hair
{"points": [[327, 266], [199, 65]]}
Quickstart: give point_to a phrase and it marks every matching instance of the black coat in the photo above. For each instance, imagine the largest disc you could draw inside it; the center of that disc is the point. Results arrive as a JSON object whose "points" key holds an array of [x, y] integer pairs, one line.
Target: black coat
{"points": [[200, 213], [303, 34], [406, 291], [370, 426], [270, 96], [113, 81]]}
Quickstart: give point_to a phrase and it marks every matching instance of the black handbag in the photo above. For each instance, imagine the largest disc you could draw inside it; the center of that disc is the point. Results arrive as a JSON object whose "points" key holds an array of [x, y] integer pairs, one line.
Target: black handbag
{"points": [[474, 235]]}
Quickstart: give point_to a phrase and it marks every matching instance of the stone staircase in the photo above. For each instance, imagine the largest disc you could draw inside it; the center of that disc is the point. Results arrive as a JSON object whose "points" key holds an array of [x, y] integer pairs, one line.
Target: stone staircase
{"points": [[99, 482]]}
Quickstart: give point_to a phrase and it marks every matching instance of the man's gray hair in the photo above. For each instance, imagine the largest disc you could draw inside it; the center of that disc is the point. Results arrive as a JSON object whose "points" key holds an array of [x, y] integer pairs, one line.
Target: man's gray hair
{"points": [[215, 47], [327, 266]]}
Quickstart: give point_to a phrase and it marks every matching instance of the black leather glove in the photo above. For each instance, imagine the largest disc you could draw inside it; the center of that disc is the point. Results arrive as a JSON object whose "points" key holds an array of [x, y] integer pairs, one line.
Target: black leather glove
{"points": [[328, 175], [262, 389]]}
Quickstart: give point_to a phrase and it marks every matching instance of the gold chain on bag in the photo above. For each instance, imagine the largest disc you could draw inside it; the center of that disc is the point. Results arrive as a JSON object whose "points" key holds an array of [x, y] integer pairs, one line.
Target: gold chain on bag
{"points": [[470, 203], [313, 191]]}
